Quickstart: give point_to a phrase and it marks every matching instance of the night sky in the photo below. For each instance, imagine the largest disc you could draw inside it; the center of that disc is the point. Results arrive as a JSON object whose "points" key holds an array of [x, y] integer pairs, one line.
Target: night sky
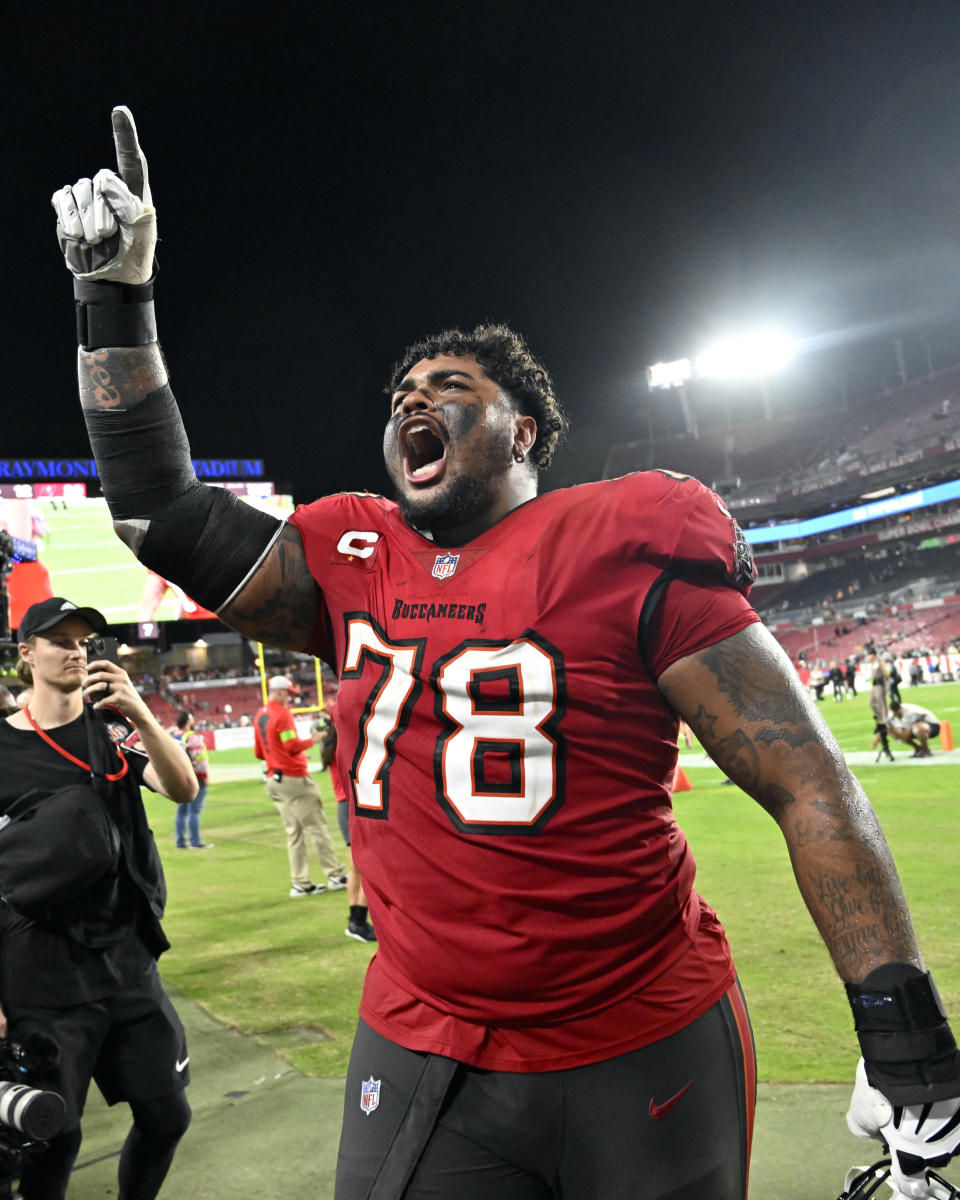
{"points": [[620, 182]]}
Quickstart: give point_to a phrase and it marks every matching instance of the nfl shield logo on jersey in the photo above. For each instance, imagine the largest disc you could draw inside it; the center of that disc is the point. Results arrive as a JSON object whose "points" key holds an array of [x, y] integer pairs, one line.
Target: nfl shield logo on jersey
{"points": [[369, 1094], [445, 565]]}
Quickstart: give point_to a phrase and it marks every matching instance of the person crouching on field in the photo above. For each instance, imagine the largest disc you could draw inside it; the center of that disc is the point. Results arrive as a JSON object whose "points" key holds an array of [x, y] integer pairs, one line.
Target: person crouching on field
{"points": [[914, 725]]}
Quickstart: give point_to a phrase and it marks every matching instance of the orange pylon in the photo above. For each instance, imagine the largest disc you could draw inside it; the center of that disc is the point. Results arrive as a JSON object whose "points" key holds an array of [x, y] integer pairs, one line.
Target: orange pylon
{"points": [[681, 781]]}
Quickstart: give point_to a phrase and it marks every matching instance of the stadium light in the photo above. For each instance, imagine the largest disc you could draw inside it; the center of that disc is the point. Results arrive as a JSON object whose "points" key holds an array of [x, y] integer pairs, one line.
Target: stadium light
{"points": [[673, 376], [754, 355], [665, 375]]}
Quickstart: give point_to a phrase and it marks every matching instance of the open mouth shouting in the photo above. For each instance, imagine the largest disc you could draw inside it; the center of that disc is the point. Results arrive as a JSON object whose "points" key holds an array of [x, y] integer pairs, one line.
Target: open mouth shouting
{"points": [[423, 449]]}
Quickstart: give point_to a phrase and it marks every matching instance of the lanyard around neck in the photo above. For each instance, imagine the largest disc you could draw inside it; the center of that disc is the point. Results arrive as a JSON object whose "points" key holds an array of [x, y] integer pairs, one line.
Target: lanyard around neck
{"points": [[77, 761]]}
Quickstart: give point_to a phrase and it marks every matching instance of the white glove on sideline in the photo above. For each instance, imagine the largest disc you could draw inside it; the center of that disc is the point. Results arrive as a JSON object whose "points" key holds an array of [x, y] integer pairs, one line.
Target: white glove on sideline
{"points": [[107, 226], [919, 1136]]}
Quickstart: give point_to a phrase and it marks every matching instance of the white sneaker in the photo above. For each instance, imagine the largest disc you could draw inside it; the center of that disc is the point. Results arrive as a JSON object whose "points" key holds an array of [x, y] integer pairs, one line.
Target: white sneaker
{"points": [[306, 889], [336, 883]]}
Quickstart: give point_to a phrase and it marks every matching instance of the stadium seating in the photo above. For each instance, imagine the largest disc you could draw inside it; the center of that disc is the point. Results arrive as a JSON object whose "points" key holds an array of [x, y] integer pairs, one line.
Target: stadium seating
{"points": [[211, 703], [161, 708], [764, 467]]}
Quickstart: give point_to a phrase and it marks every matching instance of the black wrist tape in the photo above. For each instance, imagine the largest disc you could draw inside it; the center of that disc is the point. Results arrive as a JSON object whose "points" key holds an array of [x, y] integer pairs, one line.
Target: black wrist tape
{"points": [[908, 1048], [203, 538], [114, 314]]}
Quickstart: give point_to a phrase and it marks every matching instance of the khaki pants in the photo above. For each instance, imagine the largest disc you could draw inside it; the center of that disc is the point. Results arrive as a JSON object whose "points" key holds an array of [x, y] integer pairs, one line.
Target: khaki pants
{"points": [[301, 809]]}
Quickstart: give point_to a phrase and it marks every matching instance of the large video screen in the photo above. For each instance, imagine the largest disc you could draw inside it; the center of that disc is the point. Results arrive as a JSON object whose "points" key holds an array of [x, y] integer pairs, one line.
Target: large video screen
{"points": [[80, 557]]}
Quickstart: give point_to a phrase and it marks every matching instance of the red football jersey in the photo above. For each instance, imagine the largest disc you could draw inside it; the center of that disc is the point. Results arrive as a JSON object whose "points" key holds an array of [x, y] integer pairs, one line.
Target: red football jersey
{"points": [[508, 756]]}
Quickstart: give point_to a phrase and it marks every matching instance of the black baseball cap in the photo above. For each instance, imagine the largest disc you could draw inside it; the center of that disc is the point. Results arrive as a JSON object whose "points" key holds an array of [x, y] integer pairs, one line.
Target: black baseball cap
{"points": [[48, 613]]}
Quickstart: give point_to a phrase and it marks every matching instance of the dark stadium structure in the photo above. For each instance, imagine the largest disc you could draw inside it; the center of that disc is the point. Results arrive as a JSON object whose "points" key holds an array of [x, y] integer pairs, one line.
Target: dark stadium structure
{"points": [[892, 582]]}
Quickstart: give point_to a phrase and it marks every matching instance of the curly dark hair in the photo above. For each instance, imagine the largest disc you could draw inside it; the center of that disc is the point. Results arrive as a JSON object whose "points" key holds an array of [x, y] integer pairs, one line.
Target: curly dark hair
{"points": [[506, 359]]}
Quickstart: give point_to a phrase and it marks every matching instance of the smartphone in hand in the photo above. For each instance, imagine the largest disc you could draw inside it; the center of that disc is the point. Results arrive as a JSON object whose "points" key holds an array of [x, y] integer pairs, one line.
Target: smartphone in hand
{"points": [[100, 648]]}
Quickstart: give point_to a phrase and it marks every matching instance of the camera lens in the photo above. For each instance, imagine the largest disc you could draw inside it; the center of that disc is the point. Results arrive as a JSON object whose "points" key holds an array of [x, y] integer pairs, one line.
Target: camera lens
{"points": [[37, 1114]]}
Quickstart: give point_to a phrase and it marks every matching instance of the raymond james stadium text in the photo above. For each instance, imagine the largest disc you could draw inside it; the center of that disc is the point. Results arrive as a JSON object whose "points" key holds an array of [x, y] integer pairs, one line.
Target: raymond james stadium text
{"points": [[86, 468]]}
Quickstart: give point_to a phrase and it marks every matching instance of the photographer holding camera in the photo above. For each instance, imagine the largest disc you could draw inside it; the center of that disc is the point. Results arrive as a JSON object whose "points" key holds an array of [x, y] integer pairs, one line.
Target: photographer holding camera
{"points": [[78, 961]]}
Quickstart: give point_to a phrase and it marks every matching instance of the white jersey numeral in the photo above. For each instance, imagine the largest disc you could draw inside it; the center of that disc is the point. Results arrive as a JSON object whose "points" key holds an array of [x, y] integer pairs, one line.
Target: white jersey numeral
{"points": [[498, 763], [386, 710]]}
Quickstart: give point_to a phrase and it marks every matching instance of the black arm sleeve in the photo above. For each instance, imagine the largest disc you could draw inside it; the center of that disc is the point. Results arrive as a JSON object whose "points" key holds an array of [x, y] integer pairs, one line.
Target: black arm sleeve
{"points": [[203, 538]]}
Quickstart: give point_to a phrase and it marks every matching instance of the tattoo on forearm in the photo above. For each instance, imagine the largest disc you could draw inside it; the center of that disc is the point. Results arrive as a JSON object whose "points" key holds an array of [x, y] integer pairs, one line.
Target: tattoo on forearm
{"points": [[859, 947], [119, 378], [100, 391], [863, 916], [807, 832], [776, 800], [865, 943], [844, 901]]}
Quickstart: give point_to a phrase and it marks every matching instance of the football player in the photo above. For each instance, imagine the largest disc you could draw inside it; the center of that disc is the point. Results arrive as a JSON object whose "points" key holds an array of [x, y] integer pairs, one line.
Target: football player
{"points": [[553, 1008]]}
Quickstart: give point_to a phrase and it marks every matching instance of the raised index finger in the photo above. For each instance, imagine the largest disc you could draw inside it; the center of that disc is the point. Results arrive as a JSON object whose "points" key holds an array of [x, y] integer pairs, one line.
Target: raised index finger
{"points": [[131, 163]]}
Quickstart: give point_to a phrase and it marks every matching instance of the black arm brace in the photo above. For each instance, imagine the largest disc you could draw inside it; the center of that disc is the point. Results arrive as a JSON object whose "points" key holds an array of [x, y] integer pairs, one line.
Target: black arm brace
{"points": [[908, 1049], [203, 538], [114, 314]]}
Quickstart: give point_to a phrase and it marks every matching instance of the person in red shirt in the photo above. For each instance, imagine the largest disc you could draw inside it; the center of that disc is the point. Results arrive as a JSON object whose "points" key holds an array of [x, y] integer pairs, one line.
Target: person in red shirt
{"points": [[296, 796], [552, 1008]]}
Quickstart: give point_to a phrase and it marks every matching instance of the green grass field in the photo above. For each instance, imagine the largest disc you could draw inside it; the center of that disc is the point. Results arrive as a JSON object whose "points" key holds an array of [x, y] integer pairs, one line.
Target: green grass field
{"points": [[283, 969], [90, 565]]}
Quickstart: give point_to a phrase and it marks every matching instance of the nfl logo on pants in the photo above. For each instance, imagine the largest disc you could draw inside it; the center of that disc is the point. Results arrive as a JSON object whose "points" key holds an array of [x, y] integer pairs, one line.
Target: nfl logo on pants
{"points": [[369, 1094]]}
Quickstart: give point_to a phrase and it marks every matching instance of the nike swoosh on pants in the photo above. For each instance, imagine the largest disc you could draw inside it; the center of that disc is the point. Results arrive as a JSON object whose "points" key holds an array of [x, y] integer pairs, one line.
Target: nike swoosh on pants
{"points": [[659, 1111]]}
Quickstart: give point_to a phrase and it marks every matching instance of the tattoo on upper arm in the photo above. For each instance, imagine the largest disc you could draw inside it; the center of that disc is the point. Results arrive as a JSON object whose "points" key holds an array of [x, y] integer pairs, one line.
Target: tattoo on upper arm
{"points": [[702, 723], [734, 754], [737, 756], [767, 711], [759, 697], [119, 378], [280, 603]]}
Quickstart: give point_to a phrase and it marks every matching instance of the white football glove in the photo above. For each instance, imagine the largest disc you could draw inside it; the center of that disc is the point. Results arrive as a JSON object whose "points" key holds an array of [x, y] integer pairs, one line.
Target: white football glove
{"points": [[107, 226], [919, 1136], [939, 1193]]}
